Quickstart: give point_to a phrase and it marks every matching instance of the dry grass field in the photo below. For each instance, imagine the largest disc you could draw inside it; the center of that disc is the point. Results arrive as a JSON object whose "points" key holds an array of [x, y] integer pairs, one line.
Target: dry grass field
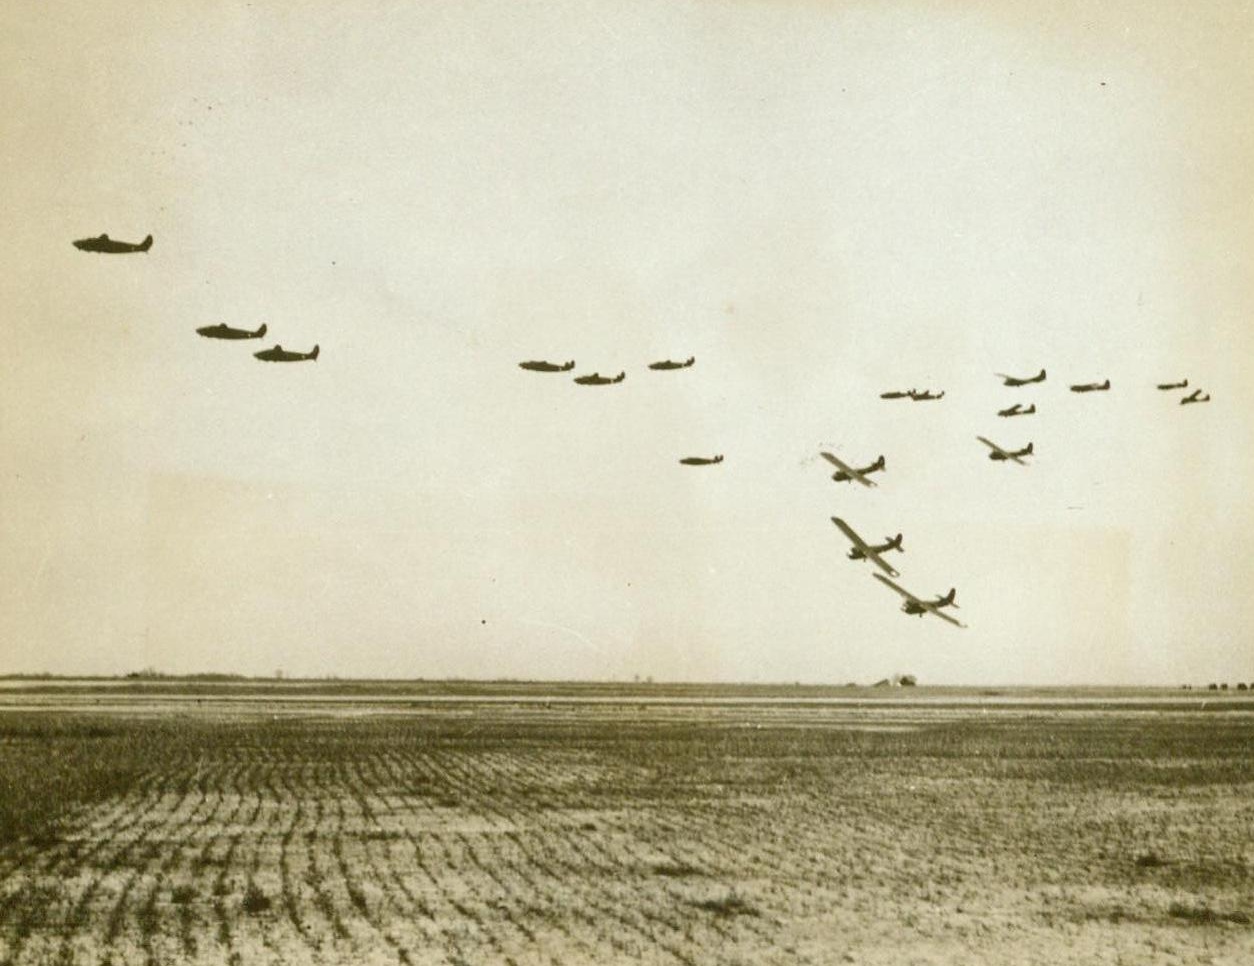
{"points": [[190, 827]]}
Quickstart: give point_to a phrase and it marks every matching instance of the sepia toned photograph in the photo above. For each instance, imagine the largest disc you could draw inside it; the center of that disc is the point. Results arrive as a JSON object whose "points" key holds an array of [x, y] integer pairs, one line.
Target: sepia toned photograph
{"points": [[579, 482]]}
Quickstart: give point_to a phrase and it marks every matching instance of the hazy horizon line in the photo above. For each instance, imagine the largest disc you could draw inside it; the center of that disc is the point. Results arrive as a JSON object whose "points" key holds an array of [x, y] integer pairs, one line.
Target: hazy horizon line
{"points": [[226, 677]]}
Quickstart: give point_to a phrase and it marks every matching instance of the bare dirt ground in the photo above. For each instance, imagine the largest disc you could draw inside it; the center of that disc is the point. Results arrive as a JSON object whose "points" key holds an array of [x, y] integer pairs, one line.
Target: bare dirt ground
{"points": [[194, 828]]}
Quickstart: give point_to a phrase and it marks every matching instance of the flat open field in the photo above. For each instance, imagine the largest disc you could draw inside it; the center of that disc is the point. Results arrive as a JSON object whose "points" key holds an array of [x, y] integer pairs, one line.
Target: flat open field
{"points": [[448, 824]]}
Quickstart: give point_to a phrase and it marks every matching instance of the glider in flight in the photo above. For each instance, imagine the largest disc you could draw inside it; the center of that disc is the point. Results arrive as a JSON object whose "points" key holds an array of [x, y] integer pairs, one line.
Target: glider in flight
{"points": [[108, 246], [1000, 454], [669, 364], [914, 605], [279, 354], [864, 551], [1018, 381], [845, 472], [224, 331], [536, 365], [596, 379]]}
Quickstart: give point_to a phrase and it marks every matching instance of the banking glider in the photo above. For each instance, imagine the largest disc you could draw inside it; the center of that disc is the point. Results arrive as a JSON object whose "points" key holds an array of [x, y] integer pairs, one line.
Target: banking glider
{"points": [[596, 379], [279, 354], [1017, 410], [537, 365], [913, 605], [224, 331], [702, 460], [926, 394], [669, 364], [108, 246], [1091, 386], [1195, 397], [1000, 454], [864, 551], [845, 472], [1020, 381]]}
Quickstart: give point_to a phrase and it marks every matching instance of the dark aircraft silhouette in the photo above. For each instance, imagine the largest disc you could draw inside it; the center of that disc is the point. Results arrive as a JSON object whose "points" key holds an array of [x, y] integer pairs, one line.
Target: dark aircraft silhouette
{"points": [[668, 364], [1017, 381], [538, 366], [279, 354], [1195, 397], [596, 379], [926, 394], [897, 394], [701, 460], [1004, 454], [108, 246], [1017, 410], [1182, 384], [913, 605], [1092, 387], [845, 472], [224, 331], [864, 551]]}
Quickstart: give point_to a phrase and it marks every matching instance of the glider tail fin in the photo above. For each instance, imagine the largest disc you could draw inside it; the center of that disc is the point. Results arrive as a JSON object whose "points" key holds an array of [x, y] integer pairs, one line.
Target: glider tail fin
{"points": [[261, 332], [314, 354], [146, 244]]}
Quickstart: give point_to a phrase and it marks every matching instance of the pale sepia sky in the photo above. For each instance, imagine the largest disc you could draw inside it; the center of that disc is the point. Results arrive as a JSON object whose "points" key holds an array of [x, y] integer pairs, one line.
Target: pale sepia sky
{"points": [[820, 201]]}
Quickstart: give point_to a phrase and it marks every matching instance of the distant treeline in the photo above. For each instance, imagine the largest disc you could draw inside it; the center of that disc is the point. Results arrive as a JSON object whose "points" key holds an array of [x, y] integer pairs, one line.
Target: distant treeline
{"points": [[150, 674], [147, 674]]}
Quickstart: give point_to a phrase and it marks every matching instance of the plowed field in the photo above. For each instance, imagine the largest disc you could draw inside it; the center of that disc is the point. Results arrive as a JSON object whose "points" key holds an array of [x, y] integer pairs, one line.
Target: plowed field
{"points": [[616, 832]]}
